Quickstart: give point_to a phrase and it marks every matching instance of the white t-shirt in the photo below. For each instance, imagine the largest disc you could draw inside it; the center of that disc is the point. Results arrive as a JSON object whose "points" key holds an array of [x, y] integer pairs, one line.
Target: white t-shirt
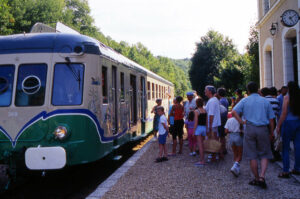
{"points": [[213, 108], [161, 128], [232, 125], [189, 106]]}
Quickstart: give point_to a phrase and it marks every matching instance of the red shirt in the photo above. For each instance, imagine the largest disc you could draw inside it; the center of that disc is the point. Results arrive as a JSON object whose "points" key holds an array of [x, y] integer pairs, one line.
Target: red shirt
{"points": [[177, 112]]}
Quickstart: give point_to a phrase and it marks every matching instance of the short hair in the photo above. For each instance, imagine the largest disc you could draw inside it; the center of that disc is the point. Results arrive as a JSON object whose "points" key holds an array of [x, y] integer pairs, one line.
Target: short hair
{"points": [[191, 116], [239, 91], [211, 89], [265, 91], [161, 108], [273, 91], [199, 102], [158, 100], [221, 92], [179, 99], [252, 87]]}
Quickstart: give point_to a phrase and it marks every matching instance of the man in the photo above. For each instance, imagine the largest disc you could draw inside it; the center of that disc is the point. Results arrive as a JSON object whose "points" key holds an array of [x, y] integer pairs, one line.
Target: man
{"points": [[213, 112], [258, 114], [267, 93], [190, 104]]}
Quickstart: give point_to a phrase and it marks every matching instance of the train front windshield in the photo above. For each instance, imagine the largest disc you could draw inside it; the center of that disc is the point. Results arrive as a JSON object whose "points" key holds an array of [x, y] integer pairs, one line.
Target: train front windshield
{"points": [[6, 84], [32, 81]]}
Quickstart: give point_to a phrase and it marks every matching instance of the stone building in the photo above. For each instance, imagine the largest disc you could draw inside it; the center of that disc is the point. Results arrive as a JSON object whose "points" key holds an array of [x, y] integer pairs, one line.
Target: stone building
{"points": [[278, 25]]}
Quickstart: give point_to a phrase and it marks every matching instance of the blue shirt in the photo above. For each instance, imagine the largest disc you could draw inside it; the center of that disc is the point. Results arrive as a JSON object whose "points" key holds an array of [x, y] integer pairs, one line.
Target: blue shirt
{"points": [[256, 110], [280, 99], [171, 118], [225, 103]]}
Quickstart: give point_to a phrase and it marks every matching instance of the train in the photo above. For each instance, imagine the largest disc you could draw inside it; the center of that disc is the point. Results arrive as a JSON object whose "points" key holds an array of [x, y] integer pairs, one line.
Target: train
{"points": [[67, 99]]}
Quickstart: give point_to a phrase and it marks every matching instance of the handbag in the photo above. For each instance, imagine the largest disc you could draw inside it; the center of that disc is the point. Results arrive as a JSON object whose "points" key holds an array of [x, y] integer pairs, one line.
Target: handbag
{"points": [[211, 145]]}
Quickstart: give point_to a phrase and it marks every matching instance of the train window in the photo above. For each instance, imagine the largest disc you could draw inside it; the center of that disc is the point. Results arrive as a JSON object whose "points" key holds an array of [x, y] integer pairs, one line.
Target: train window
{"points": [[104, 85], [159, 91], [148, 90], [122, 82], [6, 84], [31, 85], [67, 84], [153, 91]]}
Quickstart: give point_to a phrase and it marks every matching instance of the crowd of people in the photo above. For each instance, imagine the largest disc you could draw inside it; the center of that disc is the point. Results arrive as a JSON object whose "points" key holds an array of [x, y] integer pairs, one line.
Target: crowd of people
{"points": [[251, 120]]}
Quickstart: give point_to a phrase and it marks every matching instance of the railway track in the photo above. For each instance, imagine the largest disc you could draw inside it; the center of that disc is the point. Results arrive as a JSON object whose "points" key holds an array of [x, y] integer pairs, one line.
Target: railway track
{"points": [[73, 182]]}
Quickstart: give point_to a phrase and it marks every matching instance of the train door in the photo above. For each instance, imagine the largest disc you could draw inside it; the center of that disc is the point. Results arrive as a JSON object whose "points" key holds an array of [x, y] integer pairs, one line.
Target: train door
{"points": [[143, 102], [114, 113], [133, 100]]}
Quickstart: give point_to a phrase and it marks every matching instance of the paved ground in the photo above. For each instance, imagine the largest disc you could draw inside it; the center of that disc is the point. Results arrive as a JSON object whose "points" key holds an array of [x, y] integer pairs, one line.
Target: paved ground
{"points": [[179, 178]]}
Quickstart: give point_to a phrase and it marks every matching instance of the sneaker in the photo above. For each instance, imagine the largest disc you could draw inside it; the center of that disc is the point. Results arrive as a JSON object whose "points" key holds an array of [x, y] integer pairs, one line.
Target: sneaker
{"points": [[217, 157], [164, 159], [194, 153], [234, 170], [191, 153]]}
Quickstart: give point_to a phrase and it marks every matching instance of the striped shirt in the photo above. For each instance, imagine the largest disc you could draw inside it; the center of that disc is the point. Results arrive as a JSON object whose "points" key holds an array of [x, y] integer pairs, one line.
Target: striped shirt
{"points": [[274, 103]]}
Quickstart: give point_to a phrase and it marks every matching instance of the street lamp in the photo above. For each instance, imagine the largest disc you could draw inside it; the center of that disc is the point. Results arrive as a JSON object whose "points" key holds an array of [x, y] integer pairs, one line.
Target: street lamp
{"points": [[273, 28]]}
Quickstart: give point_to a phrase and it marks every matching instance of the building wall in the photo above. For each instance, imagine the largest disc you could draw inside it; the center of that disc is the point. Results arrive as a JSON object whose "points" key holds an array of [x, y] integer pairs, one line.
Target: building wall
{"points": [[275, 52]]}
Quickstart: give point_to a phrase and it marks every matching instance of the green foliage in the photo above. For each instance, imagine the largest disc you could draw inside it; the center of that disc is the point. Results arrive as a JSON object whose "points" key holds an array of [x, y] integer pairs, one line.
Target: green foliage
{"points": [[212, 50], [18, 16], [253, 56], [6, 18]]}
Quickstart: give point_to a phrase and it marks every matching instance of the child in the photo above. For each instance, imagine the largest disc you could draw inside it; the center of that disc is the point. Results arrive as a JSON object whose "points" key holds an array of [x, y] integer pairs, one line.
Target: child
{"points": [[156, 117], [200, 123], [189, 125], [163, 133], [233, 127], [171, 118]]}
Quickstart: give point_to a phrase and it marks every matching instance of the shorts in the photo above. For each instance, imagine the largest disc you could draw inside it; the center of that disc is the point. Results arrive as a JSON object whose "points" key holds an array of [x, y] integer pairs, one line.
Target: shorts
{"points": [[171, 129], [162, 138], [200, 130], [178, 129], [236, 139], [256, 143]]}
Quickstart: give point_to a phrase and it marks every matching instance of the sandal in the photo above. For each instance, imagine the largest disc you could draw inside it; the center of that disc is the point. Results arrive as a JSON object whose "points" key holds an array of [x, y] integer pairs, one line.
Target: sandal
{"points": [[284, 175], [262, 183], [254, 182], [158, 160], [295, 172]]}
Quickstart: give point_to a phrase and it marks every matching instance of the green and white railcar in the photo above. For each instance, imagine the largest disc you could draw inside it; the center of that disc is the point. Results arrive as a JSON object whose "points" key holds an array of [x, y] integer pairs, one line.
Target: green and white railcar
{"points": [[67, 99]]}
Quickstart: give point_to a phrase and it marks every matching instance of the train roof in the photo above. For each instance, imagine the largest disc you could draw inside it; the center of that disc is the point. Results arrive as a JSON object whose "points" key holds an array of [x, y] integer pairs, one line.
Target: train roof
{"points": [[66, 43]]}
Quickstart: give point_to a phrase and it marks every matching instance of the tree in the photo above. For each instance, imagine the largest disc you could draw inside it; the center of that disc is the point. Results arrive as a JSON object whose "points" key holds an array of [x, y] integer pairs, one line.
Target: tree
{"points": [[6, 18], [211, 50], [253, 56]]}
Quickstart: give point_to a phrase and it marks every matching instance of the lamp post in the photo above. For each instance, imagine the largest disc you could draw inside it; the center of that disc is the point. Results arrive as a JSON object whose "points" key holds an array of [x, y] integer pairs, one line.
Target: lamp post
{"points": [[273, 28]]}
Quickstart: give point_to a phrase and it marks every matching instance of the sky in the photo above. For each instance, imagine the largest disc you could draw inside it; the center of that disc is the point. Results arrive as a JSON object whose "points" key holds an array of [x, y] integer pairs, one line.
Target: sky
{"points": [[171, 28]]}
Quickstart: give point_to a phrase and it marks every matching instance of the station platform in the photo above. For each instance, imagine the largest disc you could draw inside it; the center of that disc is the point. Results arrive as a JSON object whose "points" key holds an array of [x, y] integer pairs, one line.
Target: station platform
{"points": [[141, 177]]}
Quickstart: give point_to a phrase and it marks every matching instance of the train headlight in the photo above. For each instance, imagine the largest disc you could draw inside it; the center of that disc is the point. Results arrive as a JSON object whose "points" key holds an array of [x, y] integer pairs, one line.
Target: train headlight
{"points": [[61, 133]]}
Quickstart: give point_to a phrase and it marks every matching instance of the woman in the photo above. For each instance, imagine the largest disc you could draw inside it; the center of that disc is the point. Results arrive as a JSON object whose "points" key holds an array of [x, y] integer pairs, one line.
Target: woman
{"points": [[178, 113], [156, 117], [200, 122], [289, 123]]}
